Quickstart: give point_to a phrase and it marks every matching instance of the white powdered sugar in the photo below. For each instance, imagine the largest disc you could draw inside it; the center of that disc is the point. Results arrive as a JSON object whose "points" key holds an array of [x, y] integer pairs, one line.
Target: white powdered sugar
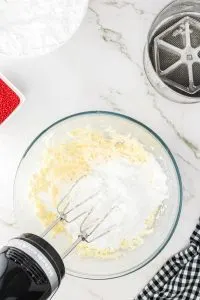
{"points": [[136, 191], [114, 174], [35, 27]]}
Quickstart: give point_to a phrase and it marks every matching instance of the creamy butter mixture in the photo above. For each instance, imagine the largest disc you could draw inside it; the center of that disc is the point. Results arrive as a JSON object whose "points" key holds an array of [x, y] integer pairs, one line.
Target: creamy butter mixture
{"points": [[119, 174]]}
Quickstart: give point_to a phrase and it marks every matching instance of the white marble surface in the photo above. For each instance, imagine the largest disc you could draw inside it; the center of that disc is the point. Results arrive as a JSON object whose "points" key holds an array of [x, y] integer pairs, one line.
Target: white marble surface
{"points": [[101, 67]]}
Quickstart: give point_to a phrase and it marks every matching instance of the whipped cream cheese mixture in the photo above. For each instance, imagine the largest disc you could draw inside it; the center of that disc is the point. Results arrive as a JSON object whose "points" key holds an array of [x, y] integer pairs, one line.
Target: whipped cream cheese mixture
{"points": [[118, 173]]}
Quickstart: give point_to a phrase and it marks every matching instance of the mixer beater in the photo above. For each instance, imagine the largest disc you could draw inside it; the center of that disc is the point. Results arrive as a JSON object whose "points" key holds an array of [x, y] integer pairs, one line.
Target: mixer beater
{"points": [[30, 268]]}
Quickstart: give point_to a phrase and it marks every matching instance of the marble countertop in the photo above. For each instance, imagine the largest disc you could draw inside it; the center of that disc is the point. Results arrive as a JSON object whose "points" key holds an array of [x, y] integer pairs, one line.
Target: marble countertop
{"points": [[101, 67]]}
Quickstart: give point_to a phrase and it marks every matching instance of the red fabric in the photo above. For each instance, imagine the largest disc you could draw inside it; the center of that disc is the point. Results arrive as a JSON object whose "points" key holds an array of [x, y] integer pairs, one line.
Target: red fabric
{"points": [[8, 101]]}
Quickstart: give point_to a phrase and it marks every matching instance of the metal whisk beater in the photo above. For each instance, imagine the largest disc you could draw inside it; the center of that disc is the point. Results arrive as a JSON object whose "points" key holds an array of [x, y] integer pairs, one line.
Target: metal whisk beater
{"points": [[86, 231]]}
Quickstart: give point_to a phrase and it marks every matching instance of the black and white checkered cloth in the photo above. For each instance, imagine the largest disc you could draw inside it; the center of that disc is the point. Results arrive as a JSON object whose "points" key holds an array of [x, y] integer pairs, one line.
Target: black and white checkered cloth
{"points": [[179, 278]]}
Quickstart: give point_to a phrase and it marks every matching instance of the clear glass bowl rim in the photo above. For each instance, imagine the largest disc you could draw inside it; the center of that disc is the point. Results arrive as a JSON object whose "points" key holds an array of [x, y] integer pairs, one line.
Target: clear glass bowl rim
{"points": [[167, 239]]}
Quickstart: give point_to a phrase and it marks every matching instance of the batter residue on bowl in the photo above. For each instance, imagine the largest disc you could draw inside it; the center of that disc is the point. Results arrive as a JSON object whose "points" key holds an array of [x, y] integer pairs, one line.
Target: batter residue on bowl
{"points": [[118, 171]]}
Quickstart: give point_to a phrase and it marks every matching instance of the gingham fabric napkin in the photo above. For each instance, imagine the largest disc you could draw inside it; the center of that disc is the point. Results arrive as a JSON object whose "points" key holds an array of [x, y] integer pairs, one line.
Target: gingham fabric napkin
{"points": [[179, 278]]}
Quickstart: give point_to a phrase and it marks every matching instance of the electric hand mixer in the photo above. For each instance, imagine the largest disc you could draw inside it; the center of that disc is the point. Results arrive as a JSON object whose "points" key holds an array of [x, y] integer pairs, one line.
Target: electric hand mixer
{"points": [[30, 268]]}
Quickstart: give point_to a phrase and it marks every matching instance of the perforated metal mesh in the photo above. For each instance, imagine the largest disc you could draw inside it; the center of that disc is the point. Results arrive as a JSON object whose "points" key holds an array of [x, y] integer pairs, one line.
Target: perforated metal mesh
{"points": [[166, 58], [195, 36], [179, 75], [176, 53], [196, 68], [175, 39]]}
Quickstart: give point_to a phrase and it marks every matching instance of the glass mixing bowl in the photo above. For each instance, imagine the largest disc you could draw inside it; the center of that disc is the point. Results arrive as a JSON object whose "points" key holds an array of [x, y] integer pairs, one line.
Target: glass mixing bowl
{"points": [[92, 268]]}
